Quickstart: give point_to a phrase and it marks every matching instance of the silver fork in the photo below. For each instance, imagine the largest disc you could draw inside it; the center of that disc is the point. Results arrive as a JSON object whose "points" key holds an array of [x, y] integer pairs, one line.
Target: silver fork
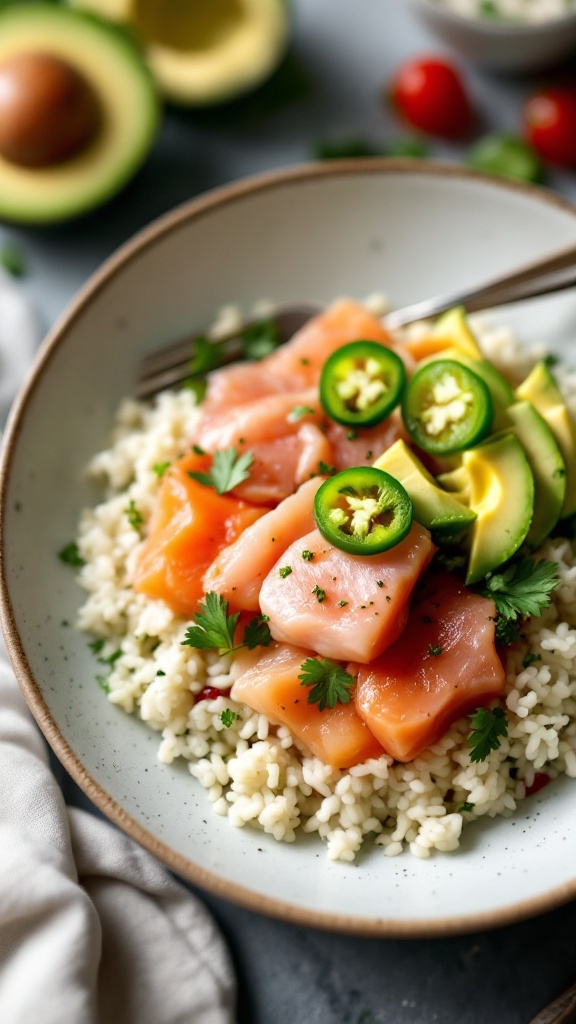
{"points": [[191, 357]]}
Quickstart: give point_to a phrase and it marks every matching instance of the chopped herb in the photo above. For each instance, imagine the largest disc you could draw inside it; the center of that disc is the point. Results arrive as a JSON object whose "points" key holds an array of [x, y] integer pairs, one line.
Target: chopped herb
{"points": [[368, 454], [388, 598], [351, 435], [434, 651], [228, 470], [342, 604], [285, 571], [257, 633], [135, 517], [307, 555], [488, 728], [103, 683], [228, 717], [325, 469], [299, 411], [96, 645], [379, 583], [320, 594], [523, 589], [466, 808], [160, 468], [214, 628], [198, 386], [198, 450], [11, 260], [304, 361], [529, 659], [330, 683], [110, 659], [260, 339], [160, 672], [70, 555], [550, 360], [506, 632], [426, 619]]}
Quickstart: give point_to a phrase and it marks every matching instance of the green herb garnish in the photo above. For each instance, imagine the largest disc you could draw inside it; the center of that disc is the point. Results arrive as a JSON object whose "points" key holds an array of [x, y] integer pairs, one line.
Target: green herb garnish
{"points": [[529, 659], [299, 411], [135, 517], [320, 594], [330, 683], [214, 628], [70, 555], [523, 588], [160, 468], [434, 651], [307, 555], [12, 260], [488, 728], [228, 717], [229, 469]]}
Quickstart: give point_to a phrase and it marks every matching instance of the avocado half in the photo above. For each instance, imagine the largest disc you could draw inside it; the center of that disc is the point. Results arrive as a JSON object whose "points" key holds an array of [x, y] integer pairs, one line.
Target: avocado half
{"points": [[129, 113], [203, 52]]}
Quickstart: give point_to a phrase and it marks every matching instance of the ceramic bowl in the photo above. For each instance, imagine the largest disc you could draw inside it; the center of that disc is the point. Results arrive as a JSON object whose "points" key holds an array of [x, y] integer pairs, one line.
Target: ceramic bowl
{"points": [[409, 228], [499, 45]]}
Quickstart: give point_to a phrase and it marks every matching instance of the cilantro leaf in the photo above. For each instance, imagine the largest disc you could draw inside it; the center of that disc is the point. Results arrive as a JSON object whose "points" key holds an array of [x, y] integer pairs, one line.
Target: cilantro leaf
{"points": [[135, 517], [260, 338], [299, 411], [160, 468], [70, 555], [228, 470], [488, 727], [228, 717], [330, 683], [213, 626], [523, 588], [257, 633], [506, 632]]}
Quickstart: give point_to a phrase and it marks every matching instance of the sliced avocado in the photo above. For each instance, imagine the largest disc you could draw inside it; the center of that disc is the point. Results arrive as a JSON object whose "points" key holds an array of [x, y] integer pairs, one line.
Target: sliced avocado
{"points": [[433, 507], [204, 53], [499, 388], [542, 391], [497, 484], [128, 118], [453, 327], [547, 465]]}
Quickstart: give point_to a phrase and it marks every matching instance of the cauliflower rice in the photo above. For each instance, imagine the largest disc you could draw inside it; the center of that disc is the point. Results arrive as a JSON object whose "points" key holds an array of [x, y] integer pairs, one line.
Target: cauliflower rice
{"points": [[255, 772]]}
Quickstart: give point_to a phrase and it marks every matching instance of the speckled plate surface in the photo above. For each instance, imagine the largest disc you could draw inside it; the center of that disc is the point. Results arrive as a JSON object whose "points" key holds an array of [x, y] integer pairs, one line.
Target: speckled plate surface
{"points": [[409, 229]]}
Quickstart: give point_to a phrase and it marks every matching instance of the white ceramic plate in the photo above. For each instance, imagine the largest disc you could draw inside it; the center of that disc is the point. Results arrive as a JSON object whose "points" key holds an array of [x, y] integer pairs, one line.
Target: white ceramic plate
{"points": [[411, 229]]}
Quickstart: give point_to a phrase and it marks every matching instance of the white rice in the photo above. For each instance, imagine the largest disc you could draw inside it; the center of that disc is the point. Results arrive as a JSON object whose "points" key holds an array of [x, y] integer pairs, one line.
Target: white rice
{"points": [[531, 12], [255, 772]]}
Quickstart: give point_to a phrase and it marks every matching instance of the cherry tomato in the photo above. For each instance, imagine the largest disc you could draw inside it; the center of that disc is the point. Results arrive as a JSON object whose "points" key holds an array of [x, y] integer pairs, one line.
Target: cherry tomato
{"points": [[430, 94], [550, 125]]}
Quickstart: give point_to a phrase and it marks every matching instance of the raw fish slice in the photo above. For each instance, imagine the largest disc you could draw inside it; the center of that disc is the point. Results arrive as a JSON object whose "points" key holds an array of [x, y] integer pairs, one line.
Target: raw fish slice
{"points": [[443, 666], [239, 570], [296, 365], [288, 445], [367, 445], [338, 736], [345, 607], [189, 526]]}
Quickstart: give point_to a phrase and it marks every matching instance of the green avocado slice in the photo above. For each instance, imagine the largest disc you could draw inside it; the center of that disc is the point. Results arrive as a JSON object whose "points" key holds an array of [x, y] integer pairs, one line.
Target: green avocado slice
{"points": [[547, 465], [434, 508], [129, 113], [496, 481], [542, 391]]}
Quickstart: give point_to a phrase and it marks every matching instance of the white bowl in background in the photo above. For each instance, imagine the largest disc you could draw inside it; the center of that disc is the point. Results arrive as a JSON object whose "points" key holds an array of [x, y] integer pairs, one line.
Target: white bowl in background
{"points": [[407, 227], [499, 45]]}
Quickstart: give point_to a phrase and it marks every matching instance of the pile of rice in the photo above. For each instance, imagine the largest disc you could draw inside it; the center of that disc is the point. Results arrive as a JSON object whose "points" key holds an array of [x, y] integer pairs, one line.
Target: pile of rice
{"points": [[256, 772], [530, 11]]}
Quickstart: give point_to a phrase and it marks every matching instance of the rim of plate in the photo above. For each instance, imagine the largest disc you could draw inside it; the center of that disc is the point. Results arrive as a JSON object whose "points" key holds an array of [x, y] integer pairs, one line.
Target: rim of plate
{"points": [[493, 27], [192, 210]]}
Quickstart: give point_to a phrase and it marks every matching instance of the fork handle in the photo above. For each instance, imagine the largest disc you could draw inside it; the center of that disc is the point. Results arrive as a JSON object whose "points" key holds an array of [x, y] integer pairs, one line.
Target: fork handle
{"points": [[561, 1011], [542, 277]]}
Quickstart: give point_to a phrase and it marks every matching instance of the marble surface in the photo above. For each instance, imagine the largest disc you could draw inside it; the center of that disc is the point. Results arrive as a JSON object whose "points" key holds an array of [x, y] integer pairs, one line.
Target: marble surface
{"points": [[346, 51]]}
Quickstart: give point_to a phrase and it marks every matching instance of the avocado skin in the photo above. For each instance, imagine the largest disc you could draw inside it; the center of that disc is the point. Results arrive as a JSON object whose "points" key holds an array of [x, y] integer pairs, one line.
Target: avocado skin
{"points": [[434, 508], [542, 391], [127, 95]]}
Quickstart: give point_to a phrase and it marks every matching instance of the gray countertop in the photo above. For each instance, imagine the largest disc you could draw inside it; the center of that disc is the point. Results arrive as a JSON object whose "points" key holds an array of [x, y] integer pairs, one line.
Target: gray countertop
{"points": [[346, 50]]}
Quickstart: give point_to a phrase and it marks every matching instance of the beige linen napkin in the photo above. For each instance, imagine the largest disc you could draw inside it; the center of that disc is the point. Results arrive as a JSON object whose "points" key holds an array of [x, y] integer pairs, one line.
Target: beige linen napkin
{"points": [[93, 930]]}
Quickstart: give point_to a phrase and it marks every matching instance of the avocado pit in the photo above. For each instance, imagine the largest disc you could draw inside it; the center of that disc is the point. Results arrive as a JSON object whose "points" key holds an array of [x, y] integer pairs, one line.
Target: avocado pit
{"points": [[49, 112]]}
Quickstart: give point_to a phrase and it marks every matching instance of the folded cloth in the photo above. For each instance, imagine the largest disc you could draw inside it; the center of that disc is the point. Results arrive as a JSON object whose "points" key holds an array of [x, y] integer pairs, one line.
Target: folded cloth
{"points": [[93, 930]]}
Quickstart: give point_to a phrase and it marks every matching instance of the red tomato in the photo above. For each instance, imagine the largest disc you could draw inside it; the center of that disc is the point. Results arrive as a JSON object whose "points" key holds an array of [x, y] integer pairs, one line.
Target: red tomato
{"points": [[550, 125], [540, 780], [430, 95]]}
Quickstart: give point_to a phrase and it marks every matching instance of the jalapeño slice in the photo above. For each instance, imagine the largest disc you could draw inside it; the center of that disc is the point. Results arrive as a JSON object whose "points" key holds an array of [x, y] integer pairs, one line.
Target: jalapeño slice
{"points": [[361, 383], [446, 407], [363, 511]]}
